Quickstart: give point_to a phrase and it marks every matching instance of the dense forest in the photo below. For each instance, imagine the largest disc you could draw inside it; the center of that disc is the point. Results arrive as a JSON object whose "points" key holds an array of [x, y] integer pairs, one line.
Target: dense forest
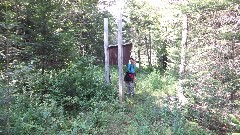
{"points": [[52, 67]]}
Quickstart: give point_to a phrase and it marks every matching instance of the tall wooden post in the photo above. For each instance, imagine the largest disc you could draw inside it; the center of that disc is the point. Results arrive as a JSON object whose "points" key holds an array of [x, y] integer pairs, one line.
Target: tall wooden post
{"points": [[120, 57], [106, 51]]}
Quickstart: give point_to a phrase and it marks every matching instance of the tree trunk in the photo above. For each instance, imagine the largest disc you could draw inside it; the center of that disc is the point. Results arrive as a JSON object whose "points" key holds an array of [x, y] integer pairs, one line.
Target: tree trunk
{"points": [[181, 97], [148, 54], [139, 58], [150, 50], [8, 101]]}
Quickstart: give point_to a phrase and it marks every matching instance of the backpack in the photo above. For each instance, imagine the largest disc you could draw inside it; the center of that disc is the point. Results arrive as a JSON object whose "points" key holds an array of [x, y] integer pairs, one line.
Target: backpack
{"points": [[129, 76]]}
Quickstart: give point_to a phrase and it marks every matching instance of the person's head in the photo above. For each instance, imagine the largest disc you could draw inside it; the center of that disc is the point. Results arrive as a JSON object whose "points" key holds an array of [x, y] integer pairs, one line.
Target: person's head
{"points": [[132, 61]]}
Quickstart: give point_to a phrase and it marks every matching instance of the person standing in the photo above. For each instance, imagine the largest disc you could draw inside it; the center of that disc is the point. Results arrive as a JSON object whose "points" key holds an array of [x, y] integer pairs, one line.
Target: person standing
{"points": [[131, 72]]}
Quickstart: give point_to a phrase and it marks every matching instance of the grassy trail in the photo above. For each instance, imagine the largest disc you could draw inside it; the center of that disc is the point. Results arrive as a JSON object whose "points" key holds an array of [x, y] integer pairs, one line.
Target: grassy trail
{"points": [[151, 111], [142, 114]]}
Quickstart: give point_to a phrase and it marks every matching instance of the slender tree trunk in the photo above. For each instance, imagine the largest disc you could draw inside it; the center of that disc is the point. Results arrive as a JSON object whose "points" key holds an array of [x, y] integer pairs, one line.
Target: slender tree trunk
{"points": [[138, 46], [8, 90], [139, 53], [44, 59], [148, 55], [181, 97], [232, 56], [150, 49], [139, 58]]}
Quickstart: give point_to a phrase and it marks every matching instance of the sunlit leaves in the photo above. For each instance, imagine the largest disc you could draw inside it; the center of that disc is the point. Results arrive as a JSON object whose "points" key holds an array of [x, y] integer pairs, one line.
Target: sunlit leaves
{"points": [[212, 55]]}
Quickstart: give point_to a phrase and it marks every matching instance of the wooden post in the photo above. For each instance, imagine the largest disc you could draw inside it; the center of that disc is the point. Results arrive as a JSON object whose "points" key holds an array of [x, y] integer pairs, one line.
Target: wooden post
{"points": [[120, 57], [106, 51]]}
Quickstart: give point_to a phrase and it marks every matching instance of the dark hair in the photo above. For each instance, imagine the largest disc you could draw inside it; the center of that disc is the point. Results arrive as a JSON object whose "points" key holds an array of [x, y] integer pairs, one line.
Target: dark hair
{"points": [[131, 58]]}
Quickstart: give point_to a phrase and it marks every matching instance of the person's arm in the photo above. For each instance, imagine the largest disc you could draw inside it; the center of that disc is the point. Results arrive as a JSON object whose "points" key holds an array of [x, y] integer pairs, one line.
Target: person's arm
{"points": [[128, 68], [134, 68]]}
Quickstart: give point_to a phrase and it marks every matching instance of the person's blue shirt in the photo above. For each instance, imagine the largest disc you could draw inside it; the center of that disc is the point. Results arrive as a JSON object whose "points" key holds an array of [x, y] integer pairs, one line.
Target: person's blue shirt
{"points": [[131, 68]]}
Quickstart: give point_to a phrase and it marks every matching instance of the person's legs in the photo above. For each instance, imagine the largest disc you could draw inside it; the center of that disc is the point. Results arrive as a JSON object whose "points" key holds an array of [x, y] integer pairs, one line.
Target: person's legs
{"points": [[128, 88], [131, 84]]}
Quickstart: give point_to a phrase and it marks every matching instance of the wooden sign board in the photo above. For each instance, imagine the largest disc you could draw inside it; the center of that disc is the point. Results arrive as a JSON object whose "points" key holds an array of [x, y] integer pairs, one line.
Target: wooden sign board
{"points": [[113, 54]]}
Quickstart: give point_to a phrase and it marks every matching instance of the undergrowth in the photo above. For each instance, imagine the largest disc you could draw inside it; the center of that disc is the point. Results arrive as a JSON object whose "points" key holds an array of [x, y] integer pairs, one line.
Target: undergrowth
{"points": [[93, 107]]}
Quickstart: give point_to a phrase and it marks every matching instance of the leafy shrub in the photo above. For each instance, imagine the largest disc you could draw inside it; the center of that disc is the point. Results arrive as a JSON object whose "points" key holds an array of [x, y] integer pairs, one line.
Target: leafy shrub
{"points": [[157, 82], [77, 87], [40, 101], [80, 86], [3, 112], [44, 118]]}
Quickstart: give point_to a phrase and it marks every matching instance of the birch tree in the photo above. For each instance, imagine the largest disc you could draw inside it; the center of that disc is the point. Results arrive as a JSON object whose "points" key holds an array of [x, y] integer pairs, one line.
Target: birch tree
{"points": [[181, 97]]}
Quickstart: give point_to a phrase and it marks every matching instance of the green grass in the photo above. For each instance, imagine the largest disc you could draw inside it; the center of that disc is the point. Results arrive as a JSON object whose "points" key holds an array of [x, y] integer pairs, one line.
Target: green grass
{"points": [[149, 112]]}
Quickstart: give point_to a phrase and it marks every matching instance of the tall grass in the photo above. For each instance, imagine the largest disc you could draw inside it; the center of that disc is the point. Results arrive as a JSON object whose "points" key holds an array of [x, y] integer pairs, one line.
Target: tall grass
{"points": [[149, 112]]}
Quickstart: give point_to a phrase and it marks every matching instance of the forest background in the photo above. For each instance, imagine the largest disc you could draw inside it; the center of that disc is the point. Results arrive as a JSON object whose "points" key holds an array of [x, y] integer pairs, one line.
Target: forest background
{"points": [[52, 67]]}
